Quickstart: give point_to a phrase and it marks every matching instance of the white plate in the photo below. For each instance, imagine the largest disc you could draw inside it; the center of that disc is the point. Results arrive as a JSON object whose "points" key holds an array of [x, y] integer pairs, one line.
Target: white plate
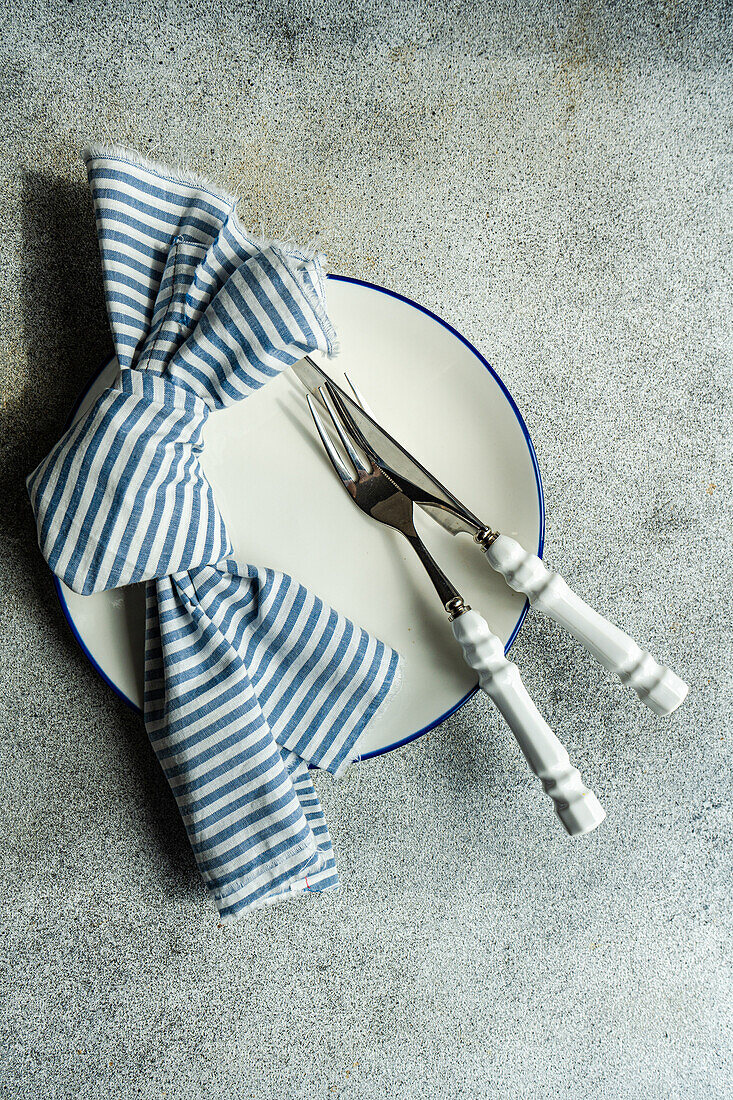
{"points": [[285, 508]]}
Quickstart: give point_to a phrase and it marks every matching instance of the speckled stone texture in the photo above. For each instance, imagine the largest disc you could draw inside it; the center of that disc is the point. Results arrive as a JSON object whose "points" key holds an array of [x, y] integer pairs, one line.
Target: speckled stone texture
{"points": [[554, 179]]}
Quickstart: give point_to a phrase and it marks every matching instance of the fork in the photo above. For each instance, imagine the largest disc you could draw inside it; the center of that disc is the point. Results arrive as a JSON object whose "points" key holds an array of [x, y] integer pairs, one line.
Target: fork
{"points": [[376, 494]]}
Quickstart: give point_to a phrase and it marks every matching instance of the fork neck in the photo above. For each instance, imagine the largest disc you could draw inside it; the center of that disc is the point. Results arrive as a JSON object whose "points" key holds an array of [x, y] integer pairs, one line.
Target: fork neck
{"points": [[449, 595]]}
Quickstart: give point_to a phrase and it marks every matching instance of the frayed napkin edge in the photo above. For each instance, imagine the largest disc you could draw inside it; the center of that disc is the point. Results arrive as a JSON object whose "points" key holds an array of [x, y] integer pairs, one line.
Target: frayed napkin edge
{"points": [[177, 172], [286, 246], [273, 869], [174, 173], [355, 756]]}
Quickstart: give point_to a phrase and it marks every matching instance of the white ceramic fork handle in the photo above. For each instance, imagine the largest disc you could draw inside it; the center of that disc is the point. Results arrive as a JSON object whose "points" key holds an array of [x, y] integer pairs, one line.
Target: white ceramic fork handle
{"points": [[578, 808], [657, 686]]}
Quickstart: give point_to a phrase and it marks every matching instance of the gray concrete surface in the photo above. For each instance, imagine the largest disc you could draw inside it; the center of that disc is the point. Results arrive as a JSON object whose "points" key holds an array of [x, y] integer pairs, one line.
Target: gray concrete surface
{"points": [[554, 180]]}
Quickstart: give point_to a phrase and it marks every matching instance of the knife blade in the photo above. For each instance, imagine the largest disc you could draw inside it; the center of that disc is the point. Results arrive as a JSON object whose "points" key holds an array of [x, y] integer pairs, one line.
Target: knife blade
{"points": [[419, 484]]}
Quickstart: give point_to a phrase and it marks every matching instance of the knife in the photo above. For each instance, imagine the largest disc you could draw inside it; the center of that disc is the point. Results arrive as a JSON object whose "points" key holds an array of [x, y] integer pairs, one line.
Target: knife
{"points": [[656, 685]]}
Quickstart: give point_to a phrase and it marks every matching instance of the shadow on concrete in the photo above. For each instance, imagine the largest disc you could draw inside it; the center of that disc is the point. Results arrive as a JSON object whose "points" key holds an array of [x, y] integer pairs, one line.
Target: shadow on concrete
{"points": [[64, 339]]}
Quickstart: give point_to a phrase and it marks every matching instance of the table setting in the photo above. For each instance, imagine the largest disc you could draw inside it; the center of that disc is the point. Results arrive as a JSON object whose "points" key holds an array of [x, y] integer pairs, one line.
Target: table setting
{"points": [[294, 804], [214, 572]]}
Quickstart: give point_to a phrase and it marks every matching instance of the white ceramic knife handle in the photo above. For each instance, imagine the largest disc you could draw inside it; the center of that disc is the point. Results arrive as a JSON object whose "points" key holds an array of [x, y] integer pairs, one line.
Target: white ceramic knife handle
{"points": [[657, 686], [578, 808]]}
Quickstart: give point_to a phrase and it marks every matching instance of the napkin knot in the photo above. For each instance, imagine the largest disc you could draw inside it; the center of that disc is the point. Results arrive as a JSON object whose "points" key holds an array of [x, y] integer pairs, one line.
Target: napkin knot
{"points": [[122, 497]]}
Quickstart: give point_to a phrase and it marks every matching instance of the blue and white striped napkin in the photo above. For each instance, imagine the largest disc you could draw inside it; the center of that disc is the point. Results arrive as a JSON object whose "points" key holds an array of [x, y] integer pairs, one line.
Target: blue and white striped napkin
{"points": [[249, 678]]}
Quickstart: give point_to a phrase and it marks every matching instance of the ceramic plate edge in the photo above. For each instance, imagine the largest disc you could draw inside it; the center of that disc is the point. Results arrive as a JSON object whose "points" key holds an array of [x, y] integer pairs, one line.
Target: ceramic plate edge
{"points": [[540, 501]]}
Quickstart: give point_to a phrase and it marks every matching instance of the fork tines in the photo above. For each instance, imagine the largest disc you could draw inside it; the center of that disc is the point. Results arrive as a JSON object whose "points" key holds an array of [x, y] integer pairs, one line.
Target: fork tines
{"points": [[360, 465]]}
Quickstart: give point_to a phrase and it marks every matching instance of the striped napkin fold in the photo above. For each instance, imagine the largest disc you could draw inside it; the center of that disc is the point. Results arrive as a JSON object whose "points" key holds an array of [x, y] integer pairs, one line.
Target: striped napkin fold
{"points": [[249, 678]]}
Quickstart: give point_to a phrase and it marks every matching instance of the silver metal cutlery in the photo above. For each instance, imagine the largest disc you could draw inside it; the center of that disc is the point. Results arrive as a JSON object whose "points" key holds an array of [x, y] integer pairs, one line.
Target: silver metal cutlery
{"points": [[389, 499], [657, 686]]}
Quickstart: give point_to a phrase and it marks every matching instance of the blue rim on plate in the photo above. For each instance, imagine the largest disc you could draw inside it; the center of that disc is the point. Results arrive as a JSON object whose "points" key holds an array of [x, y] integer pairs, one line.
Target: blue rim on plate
{"points": [[540, 502]]}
